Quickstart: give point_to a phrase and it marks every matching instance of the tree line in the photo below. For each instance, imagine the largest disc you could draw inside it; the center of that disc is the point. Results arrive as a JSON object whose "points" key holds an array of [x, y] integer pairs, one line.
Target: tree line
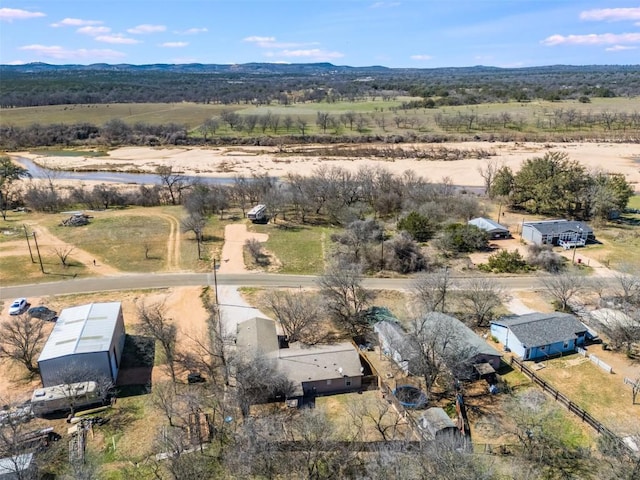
{"points": [[28, 85]]}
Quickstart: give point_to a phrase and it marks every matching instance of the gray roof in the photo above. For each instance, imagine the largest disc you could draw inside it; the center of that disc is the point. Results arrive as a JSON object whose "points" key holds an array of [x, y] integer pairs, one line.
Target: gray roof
{"points": [[83, 329], [435, 419], [257, 335], [556, 227], [464, 335], [538, 329], [488, 225], [318, 362], [15, 464], [390, 333]]}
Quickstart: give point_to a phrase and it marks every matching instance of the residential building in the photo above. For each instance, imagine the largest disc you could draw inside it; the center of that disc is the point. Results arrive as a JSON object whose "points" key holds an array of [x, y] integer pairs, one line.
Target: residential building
{"points": [[494, 229], [314, 370], [566, 233], [537, 335]]}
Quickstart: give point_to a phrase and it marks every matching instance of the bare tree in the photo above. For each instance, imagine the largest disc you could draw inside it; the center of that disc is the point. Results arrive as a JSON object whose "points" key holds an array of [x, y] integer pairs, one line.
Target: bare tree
{"points": [[635, 389], [63, 254], [257, 380], [488, 171], [481, 296], [562, 288], [75, 372], [297, 313], [21, 340], [317, 457], [431, 290], [627, 285], [195, 223], [380, 413], [323, 120], [302, 124], [174, 182], [212, 350], [255, 249], [346, 299], [155, 323], [437, 350]]}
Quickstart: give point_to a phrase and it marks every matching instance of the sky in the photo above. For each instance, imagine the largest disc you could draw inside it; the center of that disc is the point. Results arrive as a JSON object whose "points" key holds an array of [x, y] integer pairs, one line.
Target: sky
{"points": [[402, 33]]}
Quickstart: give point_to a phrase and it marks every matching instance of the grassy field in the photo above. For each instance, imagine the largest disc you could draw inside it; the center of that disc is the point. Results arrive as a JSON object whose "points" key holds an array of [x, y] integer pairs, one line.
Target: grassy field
{"points": [[603, 395], [119, 240], [18, 269], [299, 248], [193, 115]]}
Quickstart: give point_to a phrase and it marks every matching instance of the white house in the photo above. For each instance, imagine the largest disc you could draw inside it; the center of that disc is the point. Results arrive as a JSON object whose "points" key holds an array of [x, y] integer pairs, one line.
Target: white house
{"points": [[86, 340]]}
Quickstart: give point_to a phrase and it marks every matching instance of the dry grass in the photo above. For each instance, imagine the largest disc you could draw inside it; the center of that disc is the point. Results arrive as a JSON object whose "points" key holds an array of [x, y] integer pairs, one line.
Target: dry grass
{"points": [[601, 394]]}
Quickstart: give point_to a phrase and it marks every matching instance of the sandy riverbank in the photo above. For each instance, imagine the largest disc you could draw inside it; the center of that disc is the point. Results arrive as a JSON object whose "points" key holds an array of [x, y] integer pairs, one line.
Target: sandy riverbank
{"points": [[227, 162]]}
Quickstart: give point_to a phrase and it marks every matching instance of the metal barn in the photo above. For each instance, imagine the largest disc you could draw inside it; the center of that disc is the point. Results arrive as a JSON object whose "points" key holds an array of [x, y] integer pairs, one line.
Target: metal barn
{"points": [[87, 341]]}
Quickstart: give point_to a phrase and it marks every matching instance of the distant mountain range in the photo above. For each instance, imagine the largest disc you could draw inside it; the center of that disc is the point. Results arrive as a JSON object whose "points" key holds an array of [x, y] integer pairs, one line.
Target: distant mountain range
{"points": [[296, 68]]}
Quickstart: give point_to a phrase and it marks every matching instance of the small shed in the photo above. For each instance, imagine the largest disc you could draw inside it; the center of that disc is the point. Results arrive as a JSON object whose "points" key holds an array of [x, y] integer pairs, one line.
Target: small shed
{"points": [[435, 424], [391, 338], [87, 340], [17, 467], [565, 233], [494, 229]]}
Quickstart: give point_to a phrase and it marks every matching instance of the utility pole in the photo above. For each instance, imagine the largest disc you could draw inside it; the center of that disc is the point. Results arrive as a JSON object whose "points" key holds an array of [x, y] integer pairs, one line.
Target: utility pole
{"points": [[35, 239], [26, 234], [215, 281]]}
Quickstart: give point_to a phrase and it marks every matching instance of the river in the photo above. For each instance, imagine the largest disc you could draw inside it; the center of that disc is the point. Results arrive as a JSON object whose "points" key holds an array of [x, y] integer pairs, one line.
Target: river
{"points": [[37, 171]]}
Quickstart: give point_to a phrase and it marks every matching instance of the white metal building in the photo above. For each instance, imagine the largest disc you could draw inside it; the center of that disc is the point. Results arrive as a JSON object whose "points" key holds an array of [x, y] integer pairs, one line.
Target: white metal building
{"points": [[86, 339]]}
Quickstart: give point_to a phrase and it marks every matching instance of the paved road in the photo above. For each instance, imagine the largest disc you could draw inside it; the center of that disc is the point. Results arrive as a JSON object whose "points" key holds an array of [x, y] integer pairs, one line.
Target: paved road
{"points": [[147, 281]]}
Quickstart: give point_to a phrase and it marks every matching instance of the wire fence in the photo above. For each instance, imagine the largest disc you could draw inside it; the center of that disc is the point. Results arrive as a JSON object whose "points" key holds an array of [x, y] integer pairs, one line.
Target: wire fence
{"points": [[571, 406]]}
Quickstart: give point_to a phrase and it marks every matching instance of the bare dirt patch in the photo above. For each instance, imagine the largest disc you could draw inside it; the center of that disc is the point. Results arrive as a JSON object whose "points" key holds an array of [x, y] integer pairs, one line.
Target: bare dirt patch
{"points": [[232, 257]]}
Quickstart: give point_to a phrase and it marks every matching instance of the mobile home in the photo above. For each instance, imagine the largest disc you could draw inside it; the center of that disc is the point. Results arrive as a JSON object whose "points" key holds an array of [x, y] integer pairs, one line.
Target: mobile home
{"points": [[64, 397]]}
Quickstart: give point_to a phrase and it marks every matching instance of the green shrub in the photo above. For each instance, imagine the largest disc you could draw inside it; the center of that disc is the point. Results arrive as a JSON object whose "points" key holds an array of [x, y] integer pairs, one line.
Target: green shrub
{"points": [[459, 238], [419, 226], [505, 262]]}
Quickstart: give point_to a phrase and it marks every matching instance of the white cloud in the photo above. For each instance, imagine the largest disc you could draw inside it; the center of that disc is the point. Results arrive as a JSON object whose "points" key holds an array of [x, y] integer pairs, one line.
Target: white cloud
{"points": [[421, 57], [60, 53], [75, 22], [192, 31], [16, 62], [93, 31], [270, 42], [611, 14], [620, 48], [312, 54], [592, 39], [146, 28], [117, 39], [174, 44], [385, 5], [11, 14], [265, 42]]}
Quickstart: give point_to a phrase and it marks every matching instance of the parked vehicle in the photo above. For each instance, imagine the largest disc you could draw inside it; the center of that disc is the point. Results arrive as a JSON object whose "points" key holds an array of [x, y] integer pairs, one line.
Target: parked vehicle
{"points": [[257, 213], [18, 306], [194, 377], [43, 313], [60, 398]]}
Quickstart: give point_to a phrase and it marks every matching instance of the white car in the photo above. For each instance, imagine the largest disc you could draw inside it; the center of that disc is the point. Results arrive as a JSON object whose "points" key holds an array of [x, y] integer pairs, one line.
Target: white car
{"points": [[18, 306]]}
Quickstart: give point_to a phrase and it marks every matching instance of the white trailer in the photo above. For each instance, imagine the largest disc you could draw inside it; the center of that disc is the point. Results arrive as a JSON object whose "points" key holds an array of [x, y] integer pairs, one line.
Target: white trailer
{"points": [[257, 213], [61, 398]]}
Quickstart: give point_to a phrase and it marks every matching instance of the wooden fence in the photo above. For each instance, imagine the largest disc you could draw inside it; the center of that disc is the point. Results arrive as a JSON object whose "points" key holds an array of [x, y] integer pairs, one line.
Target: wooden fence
{"points": [[572, 407]]}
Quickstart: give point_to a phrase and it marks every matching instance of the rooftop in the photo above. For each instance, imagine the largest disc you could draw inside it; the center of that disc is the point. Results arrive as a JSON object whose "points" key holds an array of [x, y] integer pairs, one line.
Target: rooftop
{"points": [[538, 329], [487, 224], [463, 335], [83, 329], [558, 226], [257, 335]]}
